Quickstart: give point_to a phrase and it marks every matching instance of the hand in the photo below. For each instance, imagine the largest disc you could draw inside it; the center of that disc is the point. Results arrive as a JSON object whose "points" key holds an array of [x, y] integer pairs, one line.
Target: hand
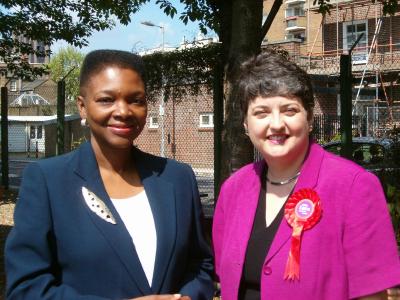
{"points": [[163, 297]]}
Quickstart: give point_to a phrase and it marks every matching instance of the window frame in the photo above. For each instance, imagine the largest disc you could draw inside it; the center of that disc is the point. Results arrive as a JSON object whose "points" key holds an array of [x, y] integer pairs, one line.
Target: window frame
{"points": [[13, 85], [32, 132], [290, 10], [358, 56], [152, 124], [210, 123]]}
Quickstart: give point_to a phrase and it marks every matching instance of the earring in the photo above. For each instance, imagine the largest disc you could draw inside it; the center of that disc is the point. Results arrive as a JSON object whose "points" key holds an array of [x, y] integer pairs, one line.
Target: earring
{"points": [[246, 131], [84, 122]]}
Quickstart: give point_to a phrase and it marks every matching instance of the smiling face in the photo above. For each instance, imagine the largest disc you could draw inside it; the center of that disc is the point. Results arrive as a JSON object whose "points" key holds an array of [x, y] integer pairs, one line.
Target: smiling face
{"points": [[114, 103], [278, 127]]}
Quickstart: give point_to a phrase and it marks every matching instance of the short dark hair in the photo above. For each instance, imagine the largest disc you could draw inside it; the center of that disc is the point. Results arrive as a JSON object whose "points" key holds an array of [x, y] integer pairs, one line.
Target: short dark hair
{"points": [[98, 60], [270, 74]]}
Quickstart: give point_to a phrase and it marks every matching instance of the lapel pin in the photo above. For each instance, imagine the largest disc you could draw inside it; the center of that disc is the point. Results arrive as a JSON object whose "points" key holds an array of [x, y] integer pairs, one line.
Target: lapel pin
{"points": [[97, 206]]}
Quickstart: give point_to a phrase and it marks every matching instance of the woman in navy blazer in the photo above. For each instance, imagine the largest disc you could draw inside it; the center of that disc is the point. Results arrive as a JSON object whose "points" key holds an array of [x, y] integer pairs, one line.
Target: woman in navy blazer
{"points": [[71, 242]]}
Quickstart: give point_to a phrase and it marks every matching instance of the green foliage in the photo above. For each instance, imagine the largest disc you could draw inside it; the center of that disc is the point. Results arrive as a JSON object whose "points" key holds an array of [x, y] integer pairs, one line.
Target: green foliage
{"points": [[66, 65], [324, 6], [23, 21], [390, 7], [181, 72], [206, 12]]}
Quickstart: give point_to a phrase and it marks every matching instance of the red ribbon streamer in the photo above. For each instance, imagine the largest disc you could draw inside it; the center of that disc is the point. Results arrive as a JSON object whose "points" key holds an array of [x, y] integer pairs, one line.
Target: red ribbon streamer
{"points": [[302, 211]]}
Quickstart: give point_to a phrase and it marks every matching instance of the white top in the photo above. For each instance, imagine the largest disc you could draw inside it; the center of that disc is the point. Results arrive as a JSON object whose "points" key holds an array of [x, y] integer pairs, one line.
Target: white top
{"points": [[136, 214]]}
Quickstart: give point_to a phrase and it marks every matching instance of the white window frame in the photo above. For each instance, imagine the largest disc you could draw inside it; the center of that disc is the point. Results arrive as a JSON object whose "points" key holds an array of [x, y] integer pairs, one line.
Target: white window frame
{"points": [[358, 56], [291, 35], [152, 123], [210, 123], [291, 23], [290, 10], [13, 86]]}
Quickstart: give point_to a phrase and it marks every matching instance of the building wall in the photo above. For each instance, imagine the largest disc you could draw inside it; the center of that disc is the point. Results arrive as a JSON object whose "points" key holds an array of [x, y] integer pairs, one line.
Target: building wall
{"points": [[48, 90], [74, 134], [184, 140], [388, 35], [311, 21], [325, 103]]}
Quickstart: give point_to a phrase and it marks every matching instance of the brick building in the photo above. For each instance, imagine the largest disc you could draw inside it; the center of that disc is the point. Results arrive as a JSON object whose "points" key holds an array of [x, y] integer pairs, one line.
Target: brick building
{"points": [[15, 84], [295, 28], [316, 43], [188, 130]]}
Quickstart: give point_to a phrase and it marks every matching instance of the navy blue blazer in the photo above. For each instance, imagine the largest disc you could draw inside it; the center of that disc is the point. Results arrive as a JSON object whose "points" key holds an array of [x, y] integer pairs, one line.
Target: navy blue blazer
{"points": [[60, 249]]}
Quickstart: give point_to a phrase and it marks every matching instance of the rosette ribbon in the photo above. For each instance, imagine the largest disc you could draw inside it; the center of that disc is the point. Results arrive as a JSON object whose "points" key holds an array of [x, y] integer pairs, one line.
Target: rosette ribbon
{"points": [[302, 211]]}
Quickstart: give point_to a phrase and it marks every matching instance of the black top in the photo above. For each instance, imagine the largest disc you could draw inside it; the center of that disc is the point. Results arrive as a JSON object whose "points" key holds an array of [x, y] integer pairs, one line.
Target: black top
{"points": [[257, 248]]}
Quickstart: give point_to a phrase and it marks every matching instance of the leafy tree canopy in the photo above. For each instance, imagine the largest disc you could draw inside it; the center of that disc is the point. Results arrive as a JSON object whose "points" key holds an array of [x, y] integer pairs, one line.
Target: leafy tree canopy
{"points": [[65, 65], [176, 70], [73, 21], [23, 21]]}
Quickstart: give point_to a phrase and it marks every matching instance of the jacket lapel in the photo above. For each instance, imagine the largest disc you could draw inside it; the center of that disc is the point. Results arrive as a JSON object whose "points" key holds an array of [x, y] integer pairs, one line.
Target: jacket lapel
{"points": [[161, 195], [308, 179], [117, 235], [247, 208]]}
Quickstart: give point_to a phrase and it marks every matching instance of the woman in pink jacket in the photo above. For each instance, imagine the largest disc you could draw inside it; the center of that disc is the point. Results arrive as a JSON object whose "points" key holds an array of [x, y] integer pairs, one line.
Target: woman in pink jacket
{"points": [[301, 223]]}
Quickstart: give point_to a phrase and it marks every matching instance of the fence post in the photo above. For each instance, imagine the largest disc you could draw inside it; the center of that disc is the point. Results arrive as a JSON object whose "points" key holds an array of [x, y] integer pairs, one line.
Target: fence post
{"points": [[4, 137], [60, 116], [345, 105], [218, 100]]}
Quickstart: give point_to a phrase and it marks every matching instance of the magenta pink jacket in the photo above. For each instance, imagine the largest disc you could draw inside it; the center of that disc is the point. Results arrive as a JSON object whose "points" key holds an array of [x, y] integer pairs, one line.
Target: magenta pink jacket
{"points": [[350, 253]]}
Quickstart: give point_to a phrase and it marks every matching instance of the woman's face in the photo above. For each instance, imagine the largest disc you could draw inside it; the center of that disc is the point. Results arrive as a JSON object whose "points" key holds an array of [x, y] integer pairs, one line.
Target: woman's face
{"points": [[114, 104], [278, 127]]}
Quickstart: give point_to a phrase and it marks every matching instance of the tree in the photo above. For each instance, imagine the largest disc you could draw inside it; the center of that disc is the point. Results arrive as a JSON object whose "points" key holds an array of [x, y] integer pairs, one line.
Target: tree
{"points": [[66, 65], [238, 24], [73, 21]]}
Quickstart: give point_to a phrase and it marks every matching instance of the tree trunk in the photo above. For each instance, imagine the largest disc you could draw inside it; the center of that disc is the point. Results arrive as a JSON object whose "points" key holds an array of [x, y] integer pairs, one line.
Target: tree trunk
{"points": [[241, 35]]}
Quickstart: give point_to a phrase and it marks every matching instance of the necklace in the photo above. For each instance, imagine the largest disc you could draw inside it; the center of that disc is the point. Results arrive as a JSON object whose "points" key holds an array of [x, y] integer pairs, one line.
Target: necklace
{"points": [[284, 181]]}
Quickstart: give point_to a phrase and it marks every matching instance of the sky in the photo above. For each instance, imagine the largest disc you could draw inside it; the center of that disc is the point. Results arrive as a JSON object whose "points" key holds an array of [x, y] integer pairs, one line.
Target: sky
{"points": [[137, 37]]}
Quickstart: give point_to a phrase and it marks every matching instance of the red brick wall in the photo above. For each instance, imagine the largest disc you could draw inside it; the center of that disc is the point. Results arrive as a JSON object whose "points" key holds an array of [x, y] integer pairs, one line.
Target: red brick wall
{"points": [[388, 33], [193, 145]]}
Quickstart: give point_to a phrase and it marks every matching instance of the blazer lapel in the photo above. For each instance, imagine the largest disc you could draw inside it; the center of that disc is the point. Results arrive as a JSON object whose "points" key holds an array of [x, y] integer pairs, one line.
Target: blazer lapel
{"points": [[308, 179], [247, 208], [161, 195], [117, 235]]}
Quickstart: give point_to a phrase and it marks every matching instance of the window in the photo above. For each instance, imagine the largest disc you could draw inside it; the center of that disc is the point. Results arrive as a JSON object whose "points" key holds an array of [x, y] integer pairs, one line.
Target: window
{"points": [[13, 86], [291, 23], [153, 122], [351, 32], [295, 10], [32, 132], [40, 57], [299, 35], [206, 120], [39, 133]]}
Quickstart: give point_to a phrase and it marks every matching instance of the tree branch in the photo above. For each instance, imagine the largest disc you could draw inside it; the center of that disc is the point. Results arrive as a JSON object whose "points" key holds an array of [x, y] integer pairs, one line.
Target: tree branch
{"points": [[271, 16]]}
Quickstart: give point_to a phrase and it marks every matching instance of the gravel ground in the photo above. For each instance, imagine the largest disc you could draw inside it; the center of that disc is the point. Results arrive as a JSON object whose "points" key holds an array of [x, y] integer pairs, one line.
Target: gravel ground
{"points": [[7, 203]]}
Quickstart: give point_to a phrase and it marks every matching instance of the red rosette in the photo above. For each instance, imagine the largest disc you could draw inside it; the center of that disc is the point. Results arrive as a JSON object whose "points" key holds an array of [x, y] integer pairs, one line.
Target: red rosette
{"points": [[302, 211]]}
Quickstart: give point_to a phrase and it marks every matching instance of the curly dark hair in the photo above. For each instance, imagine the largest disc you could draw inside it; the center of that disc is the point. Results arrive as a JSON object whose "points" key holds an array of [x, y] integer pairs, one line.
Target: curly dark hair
{"points": [[270, 74], [98, 60]]}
